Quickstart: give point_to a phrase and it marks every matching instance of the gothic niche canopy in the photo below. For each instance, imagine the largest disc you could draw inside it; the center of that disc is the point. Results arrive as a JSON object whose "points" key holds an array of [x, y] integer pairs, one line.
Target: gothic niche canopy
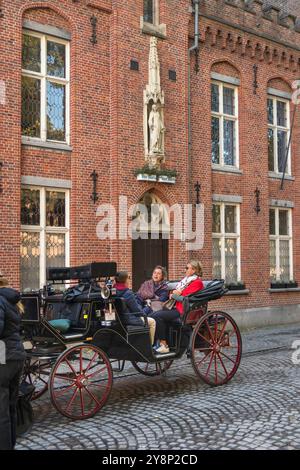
{"points": [[154, 101]]}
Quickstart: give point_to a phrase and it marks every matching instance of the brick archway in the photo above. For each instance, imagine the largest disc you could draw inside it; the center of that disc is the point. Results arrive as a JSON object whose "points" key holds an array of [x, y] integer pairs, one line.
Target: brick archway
{"points": [[150, 249]]}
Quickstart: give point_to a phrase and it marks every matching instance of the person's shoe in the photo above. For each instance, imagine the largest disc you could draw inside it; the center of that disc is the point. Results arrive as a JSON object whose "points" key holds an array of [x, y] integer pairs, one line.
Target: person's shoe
{"points": [[156, 345], [163, 349]]}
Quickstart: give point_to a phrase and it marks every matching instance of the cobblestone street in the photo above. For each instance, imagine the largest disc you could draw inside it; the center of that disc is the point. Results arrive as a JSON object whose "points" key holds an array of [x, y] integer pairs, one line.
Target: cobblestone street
{"points": [[258, 409]]}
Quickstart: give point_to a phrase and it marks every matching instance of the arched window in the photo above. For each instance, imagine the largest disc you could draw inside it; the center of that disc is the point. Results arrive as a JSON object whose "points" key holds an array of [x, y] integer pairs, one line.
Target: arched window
{"points": [[151, 214]]}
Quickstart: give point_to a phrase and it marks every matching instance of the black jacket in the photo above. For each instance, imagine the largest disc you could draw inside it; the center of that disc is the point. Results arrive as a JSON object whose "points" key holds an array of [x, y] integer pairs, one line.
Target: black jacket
{"points": [[10, 322]]}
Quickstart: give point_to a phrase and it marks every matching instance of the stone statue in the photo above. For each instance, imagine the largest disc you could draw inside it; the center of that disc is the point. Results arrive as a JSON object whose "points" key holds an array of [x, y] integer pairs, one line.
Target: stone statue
{"points": [[156, 128]]}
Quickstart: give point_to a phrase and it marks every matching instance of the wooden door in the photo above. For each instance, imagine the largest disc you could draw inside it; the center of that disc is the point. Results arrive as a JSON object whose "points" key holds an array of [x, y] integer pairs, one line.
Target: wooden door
{"points": [[146, 254]]}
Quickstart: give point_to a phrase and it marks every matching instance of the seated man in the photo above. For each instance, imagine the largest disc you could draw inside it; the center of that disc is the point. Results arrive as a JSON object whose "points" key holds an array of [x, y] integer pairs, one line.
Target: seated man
{"points": [[123, 291], [153, 293]]}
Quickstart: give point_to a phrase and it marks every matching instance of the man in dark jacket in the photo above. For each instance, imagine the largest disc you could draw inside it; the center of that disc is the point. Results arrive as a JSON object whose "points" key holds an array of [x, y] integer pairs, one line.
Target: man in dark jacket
{"points": [[11, 362], [132, 307]]}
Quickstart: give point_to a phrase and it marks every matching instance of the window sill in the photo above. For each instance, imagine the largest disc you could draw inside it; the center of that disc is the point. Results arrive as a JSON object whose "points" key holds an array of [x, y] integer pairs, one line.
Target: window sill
{"points": [[48, 145], [292, 289], [238, 292], [159, 31], [279, 176], [227, 169]]}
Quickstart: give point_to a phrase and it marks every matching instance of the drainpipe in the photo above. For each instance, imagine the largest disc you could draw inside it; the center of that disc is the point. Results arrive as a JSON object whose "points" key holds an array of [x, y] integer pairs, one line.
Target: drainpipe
{"points": [[195, 48]]}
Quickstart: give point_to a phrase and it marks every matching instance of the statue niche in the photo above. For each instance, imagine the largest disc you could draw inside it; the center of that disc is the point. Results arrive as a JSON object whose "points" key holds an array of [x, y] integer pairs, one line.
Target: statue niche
{"points": [[154, 128]]}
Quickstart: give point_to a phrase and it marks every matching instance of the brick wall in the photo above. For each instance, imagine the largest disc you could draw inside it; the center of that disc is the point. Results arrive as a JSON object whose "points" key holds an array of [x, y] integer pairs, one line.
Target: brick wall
{"points": [[107, 125]]}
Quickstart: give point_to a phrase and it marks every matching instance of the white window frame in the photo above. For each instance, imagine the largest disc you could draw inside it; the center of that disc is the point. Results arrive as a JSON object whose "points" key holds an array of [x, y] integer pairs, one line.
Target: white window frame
{"points": [[44, 78], [223, 235], [43, 230], [229, 117], [277, 128], [278, 237]]}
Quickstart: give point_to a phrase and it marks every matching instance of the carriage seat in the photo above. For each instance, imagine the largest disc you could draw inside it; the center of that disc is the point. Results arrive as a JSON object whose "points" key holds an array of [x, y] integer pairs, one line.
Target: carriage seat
{"points": [[59, 310]]}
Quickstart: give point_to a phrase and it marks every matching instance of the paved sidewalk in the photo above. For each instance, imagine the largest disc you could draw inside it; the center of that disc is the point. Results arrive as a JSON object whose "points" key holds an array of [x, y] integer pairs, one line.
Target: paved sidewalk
{"points": [[258, 409]]}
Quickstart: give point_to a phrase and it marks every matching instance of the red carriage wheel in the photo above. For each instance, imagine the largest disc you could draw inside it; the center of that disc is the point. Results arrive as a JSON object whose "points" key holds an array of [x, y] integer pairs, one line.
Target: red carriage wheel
{"points": [[36, 372], [216, 348], [81, 381], [152, 369]]}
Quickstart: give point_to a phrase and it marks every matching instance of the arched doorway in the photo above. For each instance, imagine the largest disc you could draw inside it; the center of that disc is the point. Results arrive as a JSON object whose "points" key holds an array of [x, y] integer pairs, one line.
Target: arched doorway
{"points": [[152, 247]]}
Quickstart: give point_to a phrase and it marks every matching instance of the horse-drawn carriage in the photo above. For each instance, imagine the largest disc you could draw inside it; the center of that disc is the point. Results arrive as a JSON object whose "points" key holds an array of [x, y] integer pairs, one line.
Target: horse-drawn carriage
{"points": [[76, 339]]}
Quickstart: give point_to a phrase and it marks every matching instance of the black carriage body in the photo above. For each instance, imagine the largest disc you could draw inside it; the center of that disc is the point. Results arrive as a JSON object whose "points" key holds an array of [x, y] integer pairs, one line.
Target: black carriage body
{"points": [[103, 322], [88, 315], [74, 363]]}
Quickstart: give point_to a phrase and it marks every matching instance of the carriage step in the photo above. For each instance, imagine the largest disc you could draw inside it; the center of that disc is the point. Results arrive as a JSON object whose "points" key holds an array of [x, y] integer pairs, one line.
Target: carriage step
{"points": [[160, 356]]}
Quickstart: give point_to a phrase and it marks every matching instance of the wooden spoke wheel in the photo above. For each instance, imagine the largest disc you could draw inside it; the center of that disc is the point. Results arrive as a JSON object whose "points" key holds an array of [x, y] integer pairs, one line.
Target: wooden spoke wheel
{"points": [[216, 348], [81, 381], [37, 372], [152, 369]]}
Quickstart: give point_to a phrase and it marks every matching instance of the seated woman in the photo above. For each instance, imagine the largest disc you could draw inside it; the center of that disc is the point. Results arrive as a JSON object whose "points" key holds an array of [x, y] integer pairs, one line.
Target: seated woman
{"points": [[189, 285], [153, 293], [123, 291]]}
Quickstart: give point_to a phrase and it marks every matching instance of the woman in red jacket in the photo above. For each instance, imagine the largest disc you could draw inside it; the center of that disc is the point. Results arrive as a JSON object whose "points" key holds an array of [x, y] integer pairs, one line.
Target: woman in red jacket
{"points": [[189, 285]]}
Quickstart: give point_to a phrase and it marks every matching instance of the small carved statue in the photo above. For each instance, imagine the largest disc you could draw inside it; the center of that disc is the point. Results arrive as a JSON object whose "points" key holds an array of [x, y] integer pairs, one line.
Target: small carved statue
{"points": [[156, 130]]}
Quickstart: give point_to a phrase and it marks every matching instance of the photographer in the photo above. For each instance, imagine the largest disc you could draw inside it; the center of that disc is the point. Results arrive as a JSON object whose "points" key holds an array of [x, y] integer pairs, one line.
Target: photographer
{"points": [[11, 365]]}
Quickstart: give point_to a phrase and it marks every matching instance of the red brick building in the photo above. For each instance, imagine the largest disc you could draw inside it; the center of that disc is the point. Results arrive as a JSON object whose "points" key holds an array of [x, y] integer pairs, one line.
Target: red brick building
{"points": [[73, 75]]}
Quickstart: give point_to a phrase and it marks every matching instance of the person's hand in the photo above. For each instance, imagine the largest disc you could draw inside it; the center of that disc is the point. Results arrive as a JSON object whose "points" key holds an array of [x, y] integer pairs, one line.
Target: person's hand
{"points": [[177, 292]]}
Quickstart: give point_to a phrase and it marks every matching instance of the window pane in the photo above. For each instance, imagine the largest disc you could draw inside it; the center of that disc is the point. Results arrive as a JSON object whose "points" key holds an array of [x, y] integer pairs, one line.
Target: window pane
{"points": [[272, 222], [281, 114], [148, 11], [228, 101], [284, 260], [31, 53], [215, 137], [30, 207], [283, 223], [55, 111], [270, 112], [229, 142], [55, 209], [230, 260], [282, 148], [217, 271], [30, 261], [56, 59], [271, 149], [216, 228], [215, 98], [273, 260], [55, 250], [230, 219], [31, 107]]}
